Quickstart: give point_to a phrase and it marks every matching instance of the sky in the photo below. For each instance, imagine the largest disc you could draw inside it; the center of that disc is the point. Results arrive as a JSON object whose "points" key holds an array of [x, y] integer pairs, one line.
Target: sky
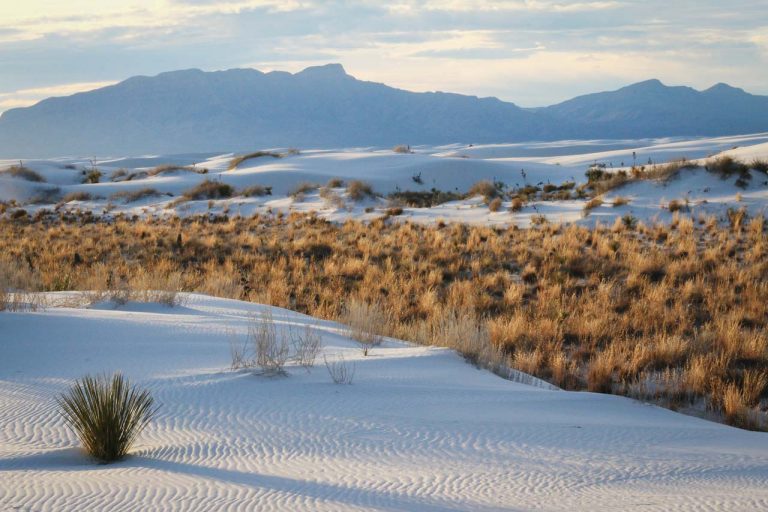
{"points": [[530, 52]]}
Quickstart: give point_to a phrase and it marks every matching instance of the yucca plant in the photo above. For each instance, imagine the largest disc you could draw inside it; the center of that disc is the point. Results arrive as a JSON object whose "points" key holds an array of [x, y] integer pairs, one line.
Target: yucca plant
{"points": [[107, 414]]}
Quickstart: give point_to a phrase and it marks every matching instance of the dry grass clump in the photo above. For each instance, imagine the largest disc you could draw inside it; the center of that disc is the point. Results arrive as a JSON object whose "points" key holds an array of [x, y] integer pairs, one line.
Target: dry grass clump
{"points": [[107, 414], [131, 196], [169, 168], [419, 199], [402, 148], [235, 162], [209, 190], [256, 191], [484, 188], [358, 190], [593, 203], [759, 165], [620, 201], [726, 166], [24, 173], [297, 192], [674, 315], [495, 204], [76, 196]]}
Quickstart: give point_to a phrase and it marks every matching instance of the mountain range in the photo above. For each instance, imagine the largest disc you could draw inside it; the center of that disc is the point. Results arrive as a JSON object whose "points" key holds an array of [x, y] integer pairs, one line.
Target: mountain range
{"points": [[323, 106]]}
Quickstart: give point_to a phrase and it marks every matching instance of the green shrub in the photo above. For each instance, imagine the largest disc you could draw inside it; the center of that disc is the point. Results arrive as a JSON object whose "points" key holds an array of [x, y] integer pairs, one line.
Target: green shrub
{"points": [[107, 414]]}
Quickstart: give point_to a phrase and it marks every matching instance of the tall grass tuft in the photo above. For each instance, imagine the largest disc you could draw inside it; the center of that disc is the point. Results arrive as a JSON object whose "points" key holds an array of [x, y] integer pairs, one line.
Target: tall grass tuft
{"points": [[107, 414]]}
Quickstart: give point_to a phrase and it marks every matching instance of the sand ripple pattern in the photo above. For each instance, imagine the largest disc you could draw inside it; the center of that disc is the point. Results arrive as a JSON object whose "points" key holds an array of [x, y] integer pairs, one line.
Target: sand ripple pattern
{"points": [[419, 429]]}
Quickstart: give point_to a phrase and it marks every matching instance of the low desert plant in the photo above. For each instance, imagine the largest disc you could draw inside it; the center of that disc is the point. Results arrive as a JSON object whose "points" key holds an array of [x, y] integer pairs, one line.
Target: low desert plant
{"points": [[592, 204], [726, 166], [620, 201], [256, 191], [484, 188], [365, 323], [24, 173], [402, 148], [235, 162], [307, 344], [357, 190], [107, 414], [759, 165], [495, 204], [131, 196], [92, 176], [335, 183], [271, 346], [209, 190], [340, 370], [169, 168], [77, 196], [517, 204]]}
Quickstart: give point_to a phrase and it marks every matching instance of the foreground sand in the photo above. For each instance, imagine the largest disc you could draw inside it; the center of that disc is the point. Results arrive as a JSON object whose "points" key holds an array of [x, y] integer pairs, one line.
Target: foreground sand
{"points": [[419, 429]]}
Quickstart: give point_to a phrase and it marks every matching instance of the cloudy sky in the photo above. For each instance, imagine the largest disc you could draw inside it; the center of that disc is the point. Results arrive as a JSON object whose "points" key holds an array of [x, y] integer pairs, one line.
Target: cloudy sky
{"points": [[533, 52]]}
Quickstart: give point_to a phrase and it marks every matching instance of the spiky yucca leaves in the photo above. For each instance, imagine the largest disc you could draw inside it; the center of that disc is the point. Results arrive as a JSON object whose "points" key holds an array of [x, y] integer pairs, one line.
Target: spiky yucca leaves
{"points": [[107, 414]]}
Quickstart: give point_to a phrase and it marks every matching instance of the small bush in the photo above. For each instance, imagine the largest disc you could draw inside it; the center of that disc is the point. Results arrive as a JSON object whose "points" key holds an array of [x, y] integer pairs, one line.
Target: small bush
{"points": [[306, 345], [256, 191], [209, 190], [620, 201], [357, 190], [168, 168], [340, 371], [76, 196], [759, 165], [495, 204], [402, 149], [107, 414], [335, 183], [134, 195], [592, 204], [235, 162], [675, 206], [365, 322], [394, 211], [302, 188], [118, 175], [483, 188], [416, 199], [271, 346], [517, 205], [24, 173], [726, 166], [92, 176]]}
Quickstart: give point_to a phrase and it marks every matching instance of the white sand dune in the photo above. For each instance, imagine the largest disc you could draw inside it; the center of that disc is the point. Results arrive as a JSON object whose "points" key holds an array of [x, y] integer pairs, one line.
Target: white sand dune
{"points": [[446, 168], [418, 430]]}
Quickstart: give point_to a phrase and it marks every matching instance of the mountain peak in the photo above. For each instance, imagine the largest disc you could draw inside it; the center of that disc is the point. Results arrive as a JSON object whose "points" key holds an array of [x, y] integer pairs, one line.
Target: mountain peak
{"points": [[723, 88], [333, 70], [652, 84]]}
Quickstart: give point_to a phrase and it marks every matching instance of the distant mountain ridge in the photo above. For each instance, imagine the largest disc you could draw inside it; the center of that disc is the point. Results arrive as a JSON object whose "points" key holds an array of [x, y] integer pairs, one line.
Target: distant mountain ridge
{"points": [[323, 106]]}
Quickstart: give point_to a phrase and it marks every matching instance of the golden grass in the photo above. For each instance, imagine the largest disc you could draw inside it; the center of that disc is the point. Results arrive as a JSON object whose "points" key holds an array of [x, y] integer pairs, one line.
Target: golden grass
{"points": [[674, 314]]}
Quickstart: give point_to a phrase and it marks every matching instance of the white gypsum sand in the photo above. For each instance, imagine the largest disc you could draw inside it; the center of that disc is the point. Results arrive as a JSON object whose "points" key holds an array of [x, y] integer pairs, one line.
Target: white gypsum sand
{"points": [[452, 169], [418, 429]]}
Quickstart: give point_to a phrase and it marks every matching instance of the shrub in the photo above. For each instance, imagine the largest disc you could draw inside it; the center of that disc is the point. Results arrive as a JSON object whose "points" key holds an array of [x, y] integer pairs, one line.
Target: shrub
{"points": [[271, 347], [726, 166], [759, 165], [340, 371], [335, 183], [416, 199], [306, 345], [24, 173], [168, 168], [92, 176], [76, 196], [358, 190], [394, 211], [209, 190], [235, 162], [256, 191], [675, 206], [300, 189], [131, 196], [118, 174], [495, 204], [592, 204], [402, 148], [106, 414], [620, 201], [365, 322], [483, 188], [517, 204]]}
